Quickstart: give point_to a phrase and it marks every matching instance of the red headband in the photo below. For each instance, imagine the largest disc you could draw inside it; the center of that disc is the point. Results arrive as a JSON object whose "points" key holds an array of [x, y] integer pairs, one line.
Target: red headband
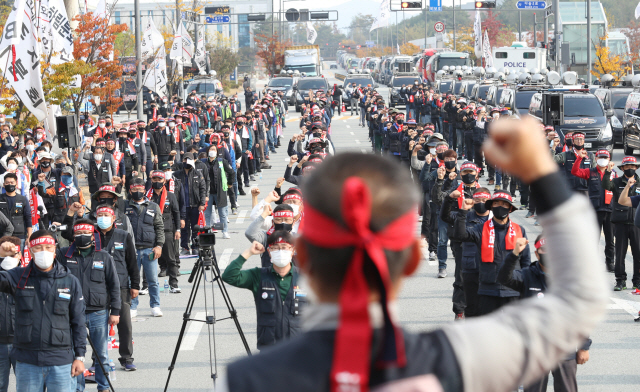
{"points": [[353, 338], [283, 214], [481, 195], [107, 188], [281, 240], [307, 168], [468, 166], [502, 195], [541, 243], [104, 209], [157, 173], [83, 226], [293, 196], [42, 241]]}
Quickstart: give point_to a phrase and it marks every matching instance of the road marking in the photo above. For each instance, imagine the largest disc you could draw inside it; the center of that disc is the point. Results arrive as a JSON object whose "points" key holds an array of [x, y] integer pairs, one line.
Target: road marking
{"points": [[344, 120], [224, 258], [291, 120], [241, 215], [348, 126], [630, 307], [352, 133], [191, 337], [357, 141]]}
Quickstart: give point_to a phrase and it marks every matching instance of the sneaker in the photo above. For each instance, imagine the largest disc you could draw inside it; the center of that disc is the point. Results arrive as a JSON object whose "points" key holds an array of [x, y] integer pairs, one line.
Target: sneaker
{"points": [[267, 158], [620, 286], [529, 214], [134, 313], [184, 252], [241, 191], [156, 312], [536, 223], [432, 256], [459, 316], [523, 207], [252, 178], [610, 268], [442, 273], [129, 367], [636, 292], [226, 235], [492, 182], [635, 286], [162, 273], [265, 166], [175, 290], [144, 291], [234, 211]]}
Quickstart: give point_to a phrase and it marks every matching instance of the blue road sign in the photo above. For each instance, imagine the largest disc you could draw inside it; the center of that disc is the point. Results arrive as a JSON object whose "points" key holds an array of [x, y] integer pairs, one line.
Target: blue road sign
{"points": [[218, 19], [531, 5], [435, 5]]}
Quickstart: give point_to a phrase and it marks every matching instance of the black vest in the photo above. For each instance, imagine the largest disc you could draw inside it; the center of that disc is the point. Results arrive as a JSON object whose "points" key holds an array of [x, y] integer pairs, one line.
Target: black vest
{"points": [[597, 194], [7, 317], [304, 364], [167, 217], [16, 215], [91, 272], [277, 319], [142, 224], [115, 248], [623, 214], [576, 183], [96, 177], [43, 324], [62, 204]]}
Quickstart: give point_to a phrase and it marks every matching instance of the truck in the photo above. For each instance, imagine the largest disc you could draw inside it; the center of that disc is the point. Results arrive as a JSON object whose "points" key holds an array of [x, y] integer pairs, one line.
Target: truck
{"points": [[305, 58], [519, 55], [440, 59]]}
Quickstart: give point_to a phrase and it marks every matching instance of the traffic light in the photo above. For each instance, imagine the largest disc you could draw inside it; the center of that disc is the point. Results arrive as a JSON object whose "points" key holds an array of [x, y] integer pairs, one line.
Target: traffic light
{"points": [[485, 4], [411, 4], [552, 49]]}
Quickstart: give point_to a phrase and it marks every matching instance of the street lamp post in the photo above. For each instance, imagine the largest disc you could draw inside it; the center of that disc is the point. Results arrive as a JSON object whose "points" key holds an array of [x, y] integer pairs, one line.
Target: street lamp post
{"points": [[138, 37]]}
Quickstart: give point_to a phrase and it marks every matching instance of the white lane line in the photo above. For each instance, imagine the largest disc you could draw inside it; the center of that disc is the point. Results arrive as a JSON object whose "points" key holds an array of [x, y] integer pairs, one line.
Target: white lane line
{"points": [[191, 337], [357, 141], [630, 307], [352, 133], [287, 159], [241, 215], [225, 257], [348, 126], [344, 120]]}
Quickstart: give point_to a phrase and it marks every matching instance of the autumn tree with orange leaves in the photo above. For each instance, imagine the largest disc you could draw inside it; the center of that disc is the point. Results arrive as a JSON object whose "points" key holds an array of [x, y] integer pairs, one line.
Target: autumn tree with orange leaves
{"points": [[271, 51], [94, 43]]}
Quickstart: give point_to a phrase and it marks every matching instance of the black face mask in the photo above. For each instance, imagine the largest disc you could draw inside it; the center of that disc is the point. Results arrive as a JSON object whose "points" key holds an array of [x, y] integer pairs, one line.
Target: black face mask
{"points": [[110, 151], [283, 226], [106, 200], [157, 185], [440, 155], [629, 172], [468, 179], [400, 121], [59, 165], [132, 135], [480, 208], [568, 142], [186, 165], [9, 188], [541, 257], [108, 124], [240, 124], [578, 147], [45, 164], [317, 134], [122, 139], [141, 128], [450, 165], [500, 212], [137, 195], [83, 241]]}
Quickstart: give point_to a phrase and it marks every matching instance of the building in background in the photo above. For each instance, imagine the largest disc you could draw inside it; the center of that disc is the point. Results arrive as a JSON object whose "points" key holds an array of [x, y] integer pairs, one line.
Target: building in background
{"points": [[163, 14]]}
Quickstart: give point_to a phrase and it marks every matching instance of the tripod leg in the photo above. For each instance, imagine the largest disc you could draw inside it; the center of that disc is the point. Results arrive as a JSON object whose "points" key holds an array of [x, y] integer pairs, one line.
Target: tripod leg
{"points": [[185, 319], [100, 362]]}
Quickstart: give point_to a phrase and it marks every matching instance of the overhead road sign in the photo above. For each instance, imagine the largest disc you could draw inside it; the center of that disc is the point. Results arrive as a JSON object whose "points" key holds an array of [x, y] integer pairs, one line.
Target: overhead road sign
{"points": [[435, 5], [224, 9], [531, 5], [218, 19]]}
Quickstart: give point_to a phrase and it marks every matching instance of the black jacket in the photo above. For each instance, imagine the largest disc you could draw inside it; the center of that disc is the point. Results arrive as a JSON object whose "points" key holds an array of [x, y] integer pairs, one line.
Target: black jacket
{"points": [[164, 143], [215, 175], [621, 214], [130, 273], [194, 184]]}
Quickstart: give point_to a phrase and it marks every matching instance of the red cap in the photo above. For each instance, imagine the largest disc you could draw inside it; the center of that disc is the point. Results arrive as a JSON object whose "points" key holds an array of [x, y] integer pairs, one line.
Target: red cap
{"points": [[468, 166], [603, 152], [542, 242]]}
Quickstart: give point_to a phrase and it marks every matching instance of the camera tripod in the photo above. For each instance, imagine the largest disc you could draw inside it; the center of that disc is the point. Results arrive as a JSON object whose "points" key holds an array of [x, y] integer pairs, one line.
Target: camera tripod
{"points": [[207, 264]]}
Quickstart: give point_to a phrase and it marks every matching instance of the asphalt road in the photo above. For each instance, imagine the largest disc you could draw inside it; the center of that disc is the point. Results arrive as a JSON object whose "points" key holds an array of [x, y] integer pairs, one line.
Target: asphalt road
{"points": [[424, 304]]}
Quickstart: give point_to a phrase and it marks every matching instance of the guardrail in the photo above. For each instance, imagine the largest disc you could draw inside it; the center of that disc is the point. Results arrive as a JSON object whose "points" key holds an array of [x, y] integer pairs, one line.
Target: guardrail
{"points": [[340, 76]]}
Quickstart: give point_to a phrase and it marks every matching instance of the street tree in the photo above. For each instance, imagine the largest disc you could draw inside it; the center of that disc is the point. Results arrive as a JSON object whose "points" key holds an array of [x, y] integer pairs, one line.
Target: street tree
{"points": [[271, 51]]}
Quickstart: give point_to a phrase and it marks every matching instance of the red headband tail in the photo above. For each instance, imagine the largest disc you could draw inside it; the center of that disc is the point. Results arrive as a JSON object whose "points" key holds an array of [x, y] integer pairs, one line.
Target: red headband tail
{"points": [[353, 338]]}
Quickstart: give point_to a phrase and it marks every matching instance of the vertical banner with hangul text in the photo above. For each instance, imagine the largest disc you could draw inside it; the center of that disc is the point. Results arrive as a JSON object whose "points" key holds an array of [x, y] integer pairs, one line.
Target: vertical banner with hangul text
{"points": [[20, 57], [55, 31], [153, 47], [201, 56]]}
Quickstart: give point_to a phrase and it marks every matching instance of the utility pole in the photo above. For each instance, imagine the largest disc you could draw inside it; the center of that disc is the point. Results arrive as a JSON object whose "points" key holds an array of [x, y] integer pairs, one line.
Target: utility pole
{"points": [[455, 47], [535, 37], [556, 32], [589, 41], [519, 25], [425, 25], [138, 38]]}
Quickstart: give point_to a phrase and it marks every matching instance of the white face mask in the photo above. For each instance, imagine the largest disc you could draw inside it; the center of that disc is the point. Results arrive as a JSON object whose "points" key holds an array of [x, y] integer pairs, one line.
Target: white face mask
{"points": [[12, 166], [101, 125], [98, 157], [9, 263], [281, 258], [296, 209], [43, 259], [213, 154], [602, 162], [31, 147], [171, 124], [162, 124], [432, 151], [191, 163], [168, 174]]}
